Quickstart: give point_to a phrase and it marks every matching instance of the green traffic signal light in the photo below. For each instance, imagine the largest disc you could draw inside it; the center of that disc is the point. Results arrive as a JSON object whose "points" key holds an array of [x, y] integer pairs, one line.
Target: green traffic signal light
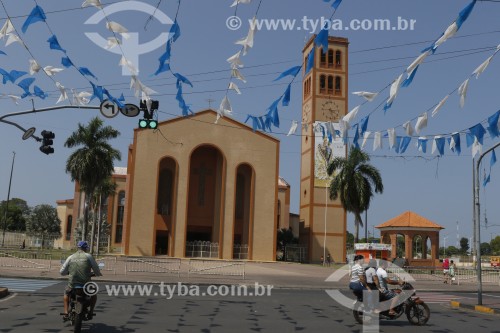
{"points": [[148, 123]]}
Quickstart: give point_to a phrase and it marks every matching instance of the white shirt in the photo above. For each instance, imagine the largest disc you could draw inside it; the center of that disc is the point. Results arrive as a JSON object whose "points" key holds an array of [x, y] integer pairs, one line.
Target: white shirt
{"points": [[370, 273], [382, 277]]}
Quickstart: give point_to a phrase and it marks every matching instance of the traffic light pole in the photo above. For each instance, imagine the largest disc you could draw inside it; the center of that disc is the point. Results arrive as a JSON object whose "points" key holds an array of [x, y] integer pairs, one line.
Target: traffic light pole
{"points": [[52, 108]]}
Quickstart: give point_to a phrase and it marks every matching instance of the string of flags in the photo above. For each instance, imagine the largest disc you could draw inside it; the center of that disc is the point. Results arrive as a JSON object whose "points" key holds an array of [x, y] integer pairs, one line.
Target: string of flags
{"points": [[235, 62], [271, 117]]}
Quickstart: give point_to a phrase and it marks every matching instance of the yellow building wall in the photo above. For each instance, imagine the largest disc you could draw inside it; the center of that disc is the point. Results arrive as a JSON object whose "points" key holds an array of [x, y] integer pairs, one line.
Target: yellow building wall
{"points": [[238, 144]]}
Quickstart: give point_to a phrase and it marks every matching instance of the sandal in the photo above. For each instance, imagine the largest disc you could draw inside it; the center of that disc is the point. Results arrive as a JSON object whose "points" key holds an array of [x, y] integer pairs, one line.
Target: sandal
{"points": [[392, 313]]}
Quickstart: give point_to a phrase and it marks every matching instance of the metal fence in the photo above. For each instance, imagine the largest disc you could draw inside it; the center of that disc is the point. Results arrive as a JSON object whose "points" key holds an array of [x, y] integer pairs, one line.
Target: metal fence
{"points": [[202, 249], [295, 253], [216, 268], [153, 265], [462, 275], [240, 251], [17, 239], [26, 260]]}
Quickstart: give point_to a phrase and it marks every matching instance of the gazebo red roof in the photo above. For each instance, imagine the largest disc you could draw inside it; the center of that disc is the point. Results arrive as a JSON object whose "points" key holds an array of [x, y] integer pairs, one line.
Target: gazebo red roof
{"points": [[409, 220]]}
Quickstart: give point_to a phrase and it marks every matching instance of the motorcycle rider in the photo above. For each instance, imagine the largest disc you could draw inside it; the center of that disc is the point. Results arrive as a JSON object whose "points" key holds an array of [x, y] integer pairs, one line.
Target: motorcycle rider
{"points": [[79, 266], [382, 283]]}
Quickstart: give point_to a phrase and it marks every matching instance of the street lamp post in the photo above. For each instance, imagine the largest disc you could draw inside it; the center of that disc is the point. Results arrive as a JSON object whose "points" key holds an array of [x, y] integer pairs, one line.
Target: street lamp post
{"points": [[8, 198], [477, 225]]}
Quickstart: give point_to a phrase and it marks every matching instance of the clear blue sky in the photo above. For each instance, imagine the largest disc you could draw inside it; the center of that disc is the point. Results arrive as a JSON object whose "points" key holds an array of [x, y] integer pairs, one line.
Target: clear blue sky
{"points": [[438, 188]]}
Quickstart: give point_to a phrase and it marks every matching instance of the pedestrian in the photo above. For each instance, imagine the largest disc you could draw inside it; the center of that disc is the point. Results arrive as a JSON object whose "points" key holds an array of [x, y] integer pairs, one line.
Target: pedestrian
{"points": [[328, 260], [446, 269], [452, 271], [23, 245], [322, 261]]}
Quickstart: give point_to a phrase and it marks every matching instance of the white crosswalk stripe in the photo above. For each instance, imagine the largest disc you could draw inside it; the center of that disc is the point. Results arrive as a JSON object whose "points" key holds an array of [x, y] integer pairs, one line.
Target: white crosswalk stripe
{"points": [[437, 297], [25, 285]]}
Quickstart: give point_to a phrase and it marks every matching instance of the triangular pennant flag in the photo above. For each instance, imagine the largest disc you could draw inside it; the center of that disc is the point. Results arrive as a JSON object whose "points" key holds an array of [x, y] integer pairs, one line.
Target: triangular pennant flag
{"points": [[336, 4], [247, 42], [51, 70], [486, 180], [293, 128], [117, 28], [409, 79], [348, 118], [233, 86], [34, 67], [462, 91], [25, 85], [449, 32], [236, 74], [408, 128], [366, 136], [417, 62], [479, 70], [7, 28], [392, 137], [175, 31], [464, 14], [478, 132], [422, 144], [493, 125], [64, 94], [438, 144], [235, 61], [393, 92], [377, 141], [369, 96], [477, 148], [66, 62], [310, 61], [112, 42], [364, 124], [455, 143], [95, 3], [493, 159], [286, 96], [404, 144], [86, 71], [322, 39], [237, 2], [183, 79], [54, 44], [36, 15], [421, 122], [39, 92], [439, 106], [291, 71]]}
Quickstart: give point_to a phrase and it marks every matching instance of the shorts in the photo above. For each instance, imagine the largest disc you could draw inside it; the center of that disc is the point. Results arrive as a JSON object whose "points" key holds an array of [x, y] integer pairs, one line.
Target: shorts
{"points": [[68, 290], [388, 294]]}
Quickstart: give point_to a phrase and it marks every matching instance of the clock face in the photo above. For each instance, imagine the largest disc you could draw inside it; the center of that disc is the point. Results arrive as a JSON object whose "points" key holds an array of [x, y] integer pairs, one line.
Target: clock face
{"points": [[329, 110], [306, 114]]}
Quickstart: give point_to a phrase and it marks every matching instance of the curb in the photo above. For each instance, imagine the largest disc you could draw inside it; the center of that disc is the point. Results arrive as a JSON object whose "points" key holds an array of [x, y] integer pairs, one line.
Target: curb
{"points": [[478, 308], [3, 292]]}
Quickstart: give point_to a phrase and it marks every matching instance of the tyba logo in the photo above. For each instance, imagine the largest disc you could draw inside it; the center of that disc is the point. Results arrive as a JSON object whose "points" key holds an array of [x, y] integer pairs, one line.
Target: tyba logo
{"points": [[130, 46]]}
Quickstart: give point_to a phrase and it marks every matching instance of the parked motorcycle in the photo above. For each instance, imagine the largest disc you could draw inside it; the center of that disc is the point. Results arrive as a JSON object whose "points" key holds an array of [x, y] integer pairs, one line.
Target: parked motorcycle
{"points": [[417, 312]]}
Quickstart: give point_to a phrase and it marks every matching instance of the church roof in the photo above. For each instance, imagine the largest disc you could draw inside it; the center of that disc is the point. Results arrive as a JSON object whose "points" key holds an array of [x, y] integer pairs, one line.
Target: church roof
{"points": [[282, 182], [409, 220]]}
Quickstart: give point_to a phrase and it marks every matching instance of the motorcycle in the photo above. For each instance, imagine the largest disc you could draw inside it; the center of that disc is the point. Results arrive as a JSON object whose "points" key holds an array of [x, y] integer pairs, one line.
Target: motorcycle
{"points": [[417, 312], [79, 304]]}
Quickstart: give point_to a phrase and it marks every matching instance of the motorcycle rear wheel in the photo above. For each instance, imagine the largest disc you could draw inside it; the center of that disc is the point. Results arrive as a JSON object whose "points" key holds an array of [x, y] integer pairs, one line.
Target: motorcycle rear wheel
{"points": [[418, 314]]}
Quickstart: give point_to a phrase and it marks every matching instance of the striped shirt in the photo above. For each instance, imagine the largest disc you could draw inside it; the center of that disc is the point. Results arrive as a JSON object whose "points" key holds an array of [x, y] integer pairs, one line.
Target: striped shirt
{"points": [[356, 271]]}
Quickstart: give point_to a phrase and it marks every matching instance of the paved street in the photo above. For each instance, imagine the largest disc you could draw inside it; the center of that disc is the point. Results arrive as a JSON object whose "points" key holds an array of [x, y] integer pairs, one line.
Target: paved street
{"points": [[283, 311]]}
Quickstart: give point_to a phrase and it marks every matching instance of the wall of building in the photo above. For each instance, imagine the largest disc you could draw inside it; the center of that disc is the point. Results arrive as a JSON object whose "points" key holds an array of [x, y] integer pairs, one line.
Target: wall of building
{"points": [[238, 144]]}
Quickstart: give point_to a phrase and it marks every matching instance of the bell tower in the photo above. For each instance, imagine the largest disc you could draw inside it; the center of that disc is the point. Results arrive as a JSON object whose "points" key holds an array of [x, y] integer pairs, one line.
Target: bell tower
{"points": [[325, 97]]}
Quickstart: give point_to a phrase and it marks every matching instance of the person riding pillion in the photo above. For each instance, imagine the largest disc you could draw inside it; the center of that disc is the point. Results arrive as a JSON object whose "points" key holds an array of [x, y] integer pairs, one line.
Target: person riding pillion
{"points": [[79, 267]]}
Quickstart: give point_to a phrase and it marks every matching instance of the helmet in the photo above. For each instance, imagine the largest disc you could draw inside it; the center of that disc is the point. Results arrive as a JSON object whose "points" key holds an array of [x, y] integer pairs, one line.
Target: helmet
{"points": [[83, 245]]}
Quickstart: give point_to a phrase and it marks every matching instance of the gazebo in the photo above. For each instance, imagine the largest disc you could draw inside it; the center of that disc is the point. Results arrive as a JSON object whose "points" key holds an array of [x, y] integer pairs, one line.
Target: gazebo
{"points": [[411, 237]]}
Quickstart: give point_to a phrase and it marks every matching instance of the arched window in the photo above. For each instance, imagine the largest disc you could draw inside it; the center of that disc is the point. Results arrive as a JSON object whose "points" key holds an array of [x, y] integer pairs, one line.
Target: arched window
{"points": [[322, 84], [165, 187], [322, 62], [330, 58], [338, 85], [330, 85], [69, 226], [338, 59], [119, 217], [307, 87]]}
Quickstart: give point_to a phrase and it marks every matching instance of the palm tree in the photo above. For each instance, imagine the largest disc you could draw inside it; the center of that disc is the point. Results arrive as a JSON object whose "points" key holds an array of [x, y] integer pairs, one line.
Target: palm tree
{"points": [[93, 162], [107, 188], [354, 182]]}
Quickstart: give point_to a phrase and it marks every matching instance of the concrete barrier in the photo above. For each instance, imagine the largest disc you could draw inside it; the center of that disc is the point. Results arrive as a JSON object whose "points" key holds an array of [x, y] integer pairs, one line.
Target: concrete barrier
{"points": [[3, 292]]}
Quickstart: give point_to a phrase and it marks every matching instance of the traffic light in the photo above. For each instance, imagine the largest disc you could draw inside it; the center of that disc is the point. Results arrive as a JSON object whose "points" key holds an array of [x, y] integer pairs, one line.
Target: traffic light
{"points": [[148, 121], [47, 142]]}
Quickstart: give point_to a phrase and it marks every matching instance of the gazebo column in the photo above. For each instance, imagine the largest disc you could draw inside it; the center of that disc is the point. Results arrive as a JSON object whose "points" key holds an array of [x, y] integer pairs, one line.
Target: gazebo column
{"points": [[435, 245], [394, 252], [424, 247], [408, 246]]}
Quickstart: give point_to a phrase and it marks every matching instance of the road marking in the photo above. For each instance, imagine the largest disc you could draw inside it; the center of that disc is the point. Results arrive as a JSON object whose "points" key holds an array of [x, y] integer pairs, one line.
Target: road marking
{"points": [[26, 285], [8, 297]]}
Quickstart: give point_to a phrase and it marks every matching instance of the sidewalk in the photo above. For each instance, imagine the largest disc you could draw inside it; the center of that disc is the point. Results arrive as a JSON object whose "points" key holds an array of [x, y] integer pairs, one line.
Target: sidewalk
{"points": [[279, 274]]}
